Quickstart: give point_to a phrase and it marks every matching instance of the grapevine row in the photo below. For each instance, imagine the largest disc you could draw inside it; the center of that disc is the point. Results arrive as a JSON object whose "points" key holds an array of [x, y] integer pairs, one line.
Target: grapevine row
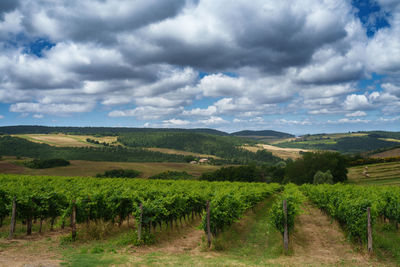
{"points": [[348, 204], [163, 202], [294, 198]]}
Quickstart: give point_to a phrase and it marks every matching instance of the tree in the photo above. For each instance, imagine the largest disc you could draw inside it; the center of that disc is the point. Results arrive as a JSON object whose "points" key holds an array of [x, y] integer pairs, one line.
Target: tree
{"points": [[323, 177]]}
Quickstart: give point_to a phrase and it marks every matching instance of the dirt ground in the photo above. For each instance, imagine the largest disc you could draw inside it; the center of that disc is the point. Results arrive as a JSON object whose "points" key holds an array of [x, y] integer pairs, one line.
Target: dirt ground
{"points": [[187, 238], [8, 167], [23, 252]]}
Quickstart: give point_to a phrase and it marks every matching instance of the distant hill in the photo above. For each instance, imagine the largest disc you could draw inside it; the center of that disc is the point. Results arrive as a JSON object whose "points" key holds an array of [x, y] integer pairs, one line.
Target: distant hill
{"points": [[383, 134], [13, 146], [359, 142], [263, 133], [34, 129]]}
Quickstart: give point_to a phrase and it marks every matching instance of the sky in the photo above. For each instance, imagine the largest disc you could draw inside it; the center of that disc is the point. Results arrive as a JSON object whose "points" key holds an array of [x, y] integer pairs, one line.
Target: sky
{"points": [[298, 66]]}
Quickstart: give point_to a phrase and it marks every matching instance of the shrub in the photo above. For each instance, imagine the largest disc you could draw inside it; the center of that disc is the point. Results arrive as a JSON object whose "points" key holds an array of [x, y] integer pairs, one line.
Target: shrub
{"points": [[46, 163], [120, 173]]}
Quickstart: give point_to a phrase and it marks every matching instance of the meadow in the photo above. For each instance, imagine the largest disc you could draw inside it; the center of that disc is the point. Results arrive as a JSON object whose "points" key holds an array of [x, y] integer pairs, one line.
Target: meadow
{"points": [[378, 174]]}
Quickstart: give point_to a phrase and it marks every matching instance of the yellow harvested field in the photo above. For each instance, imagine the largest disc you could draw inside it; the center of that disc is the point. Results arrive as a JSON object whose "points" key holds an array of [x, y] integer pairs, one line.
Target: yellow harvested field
{"points": [[285, 153], [64, 140], [180, 152]]}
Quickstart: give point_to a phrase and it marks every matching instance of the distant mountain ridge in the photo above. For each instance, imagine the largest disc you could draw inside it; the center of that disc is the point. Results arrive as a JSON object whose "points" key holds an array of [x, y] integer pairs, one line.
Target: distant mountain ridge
{"points": [[36, 129]]}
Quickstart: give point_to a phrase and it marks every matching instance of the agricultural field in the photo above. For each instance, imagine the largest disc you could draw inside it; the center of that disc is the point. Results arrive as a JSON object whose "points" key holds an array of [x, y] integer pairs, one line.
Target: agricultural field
{"points": [[387, 154], [11, 165], [174, 231], [65, 140], [181, 152], [378, 174], [281, 152]]}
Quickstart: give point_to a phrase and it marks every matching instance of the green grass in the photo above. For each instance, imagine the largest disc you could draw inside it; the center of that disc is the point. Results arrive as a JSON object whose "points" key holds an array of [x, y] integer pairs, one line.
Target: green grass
{"points": [[254, 239], [105, 252], [387, 242], [94, 257]]}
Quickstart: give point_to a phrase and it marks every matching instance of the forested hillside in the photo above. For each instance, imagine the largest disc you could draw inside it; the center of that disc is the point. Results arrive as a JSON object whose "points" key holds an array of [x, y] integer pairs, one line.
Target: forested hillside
{"points": [[12, 146], [226, 147]]}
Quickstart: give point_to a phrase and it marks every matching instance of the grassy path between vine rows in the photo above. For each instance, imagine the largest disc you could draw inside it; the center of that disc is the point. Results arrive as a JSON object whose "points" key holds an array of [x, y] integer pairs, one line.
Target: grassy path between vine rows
{"points": [[319, 241]]}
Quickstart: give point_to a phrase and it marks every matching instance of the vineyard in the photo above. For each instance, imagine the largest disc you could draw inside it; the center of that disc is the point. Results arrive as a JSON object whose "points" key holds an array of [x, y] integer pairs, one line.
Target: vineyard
{"points": [[155, 207], [152, 202]]}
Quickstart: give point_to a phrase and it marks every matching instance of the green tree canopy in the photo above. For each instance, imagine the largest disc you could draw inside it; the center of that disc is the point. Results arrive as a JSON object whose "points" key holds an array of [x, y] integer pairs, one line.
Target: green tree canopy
{"points": [[304, 169], [323, 177]]}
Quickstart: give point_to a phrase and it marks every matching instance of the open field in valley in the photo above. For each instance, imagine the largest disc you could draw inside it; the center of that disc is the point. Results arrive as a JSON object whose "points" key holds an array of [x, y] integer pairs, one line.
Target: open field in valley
{"points": [[91, 168], [180, 152]]}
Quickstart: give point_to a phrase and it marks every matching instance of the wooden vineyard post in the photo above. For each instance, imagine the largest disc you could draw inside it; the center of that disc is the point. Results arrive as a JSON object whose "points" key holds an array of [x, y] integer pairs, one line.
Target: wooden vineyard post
{"points": [[41, 225], [369, 230], [73, 220], [285, 227], [13, 213], [29, 223], [140, 222], [52, 223], [208, 225]]}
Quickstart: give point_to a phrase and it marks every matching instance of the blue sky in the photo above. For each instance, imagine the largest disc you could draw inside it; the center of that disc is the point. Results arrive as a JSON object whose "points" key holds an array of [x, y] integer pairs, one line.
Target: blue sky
{"points": [[300, 66]]}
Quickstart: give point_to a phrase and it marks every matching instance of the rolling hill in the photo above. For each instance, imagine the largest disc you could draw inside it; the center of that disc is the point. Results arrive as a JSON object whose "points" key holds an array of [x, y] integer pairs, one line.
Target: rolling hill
{"points": [[359, 142]]}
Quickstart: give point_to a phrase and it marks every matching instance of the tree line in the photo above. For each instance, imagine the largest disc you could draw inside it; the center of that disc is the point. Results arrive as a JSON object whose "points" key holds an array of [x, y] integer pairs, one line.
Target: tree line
{"points": [[318, 167]]}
